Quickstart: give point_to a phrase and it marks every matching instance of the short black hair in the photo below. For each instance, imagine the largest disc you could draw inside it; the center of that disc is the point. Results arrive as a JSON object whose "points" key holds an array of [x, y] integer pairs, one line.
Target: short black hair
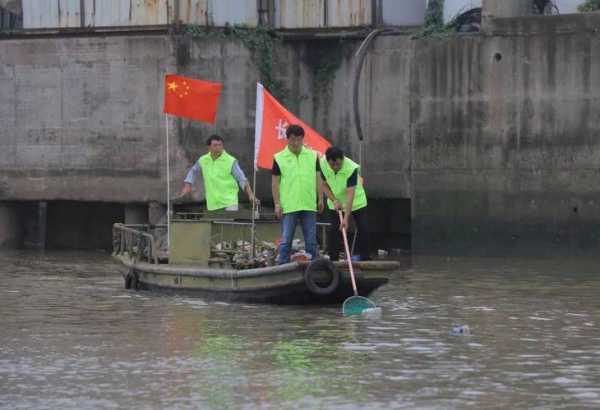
{"points": [[334, 153], [294, 129], [212, 138]]}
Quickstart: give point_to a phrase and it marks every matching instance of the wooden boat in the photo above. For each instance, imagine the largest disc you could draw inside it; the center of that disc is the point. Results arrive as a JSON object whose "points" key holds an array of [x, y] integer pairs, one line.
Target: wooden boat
{"points": [[302, 282], [319, 282]]}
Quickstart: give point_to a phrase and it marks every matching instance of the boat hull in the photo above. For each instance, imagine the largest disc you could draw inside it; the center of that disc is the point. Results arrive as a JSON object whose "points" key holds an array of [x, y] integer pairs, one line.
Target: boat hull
{"points": [[283, 284]]}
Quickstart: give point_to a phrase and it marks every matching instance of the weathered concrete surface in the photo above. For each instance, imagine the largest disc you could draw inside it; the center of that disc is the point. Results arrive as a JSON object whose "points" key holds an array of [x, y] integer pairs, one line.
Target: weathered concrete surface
{"points": [[384, 102], [506, 8], [505, 132], [79, 118], [492, 137], [230, 63], [136, 214]]}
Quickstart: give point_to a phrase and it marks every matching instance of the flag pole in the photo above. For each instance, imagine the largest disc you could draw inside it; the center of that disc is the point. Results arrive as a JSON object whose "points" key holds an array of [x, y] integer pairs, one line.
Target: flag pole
{"points": [[168, 187], [253, 233], [258, 118]]}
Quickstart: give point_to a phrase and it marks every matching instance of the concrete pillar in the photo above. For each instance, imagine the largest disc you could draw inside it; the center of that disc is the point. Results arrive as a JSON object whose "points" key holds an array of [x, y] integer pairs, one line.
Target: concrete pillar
{"points": [[504, 8], [42, 217], [11, 231], [136, 214], [157, 213]]}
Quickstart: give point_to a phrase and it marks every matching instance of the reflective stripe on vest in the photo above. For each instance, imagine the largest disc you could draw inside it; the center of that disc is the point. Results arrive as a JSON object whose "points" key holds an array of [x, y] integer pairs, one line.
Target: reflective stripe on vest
{"points": [[297, 185], [338, 183], [220, 187]]}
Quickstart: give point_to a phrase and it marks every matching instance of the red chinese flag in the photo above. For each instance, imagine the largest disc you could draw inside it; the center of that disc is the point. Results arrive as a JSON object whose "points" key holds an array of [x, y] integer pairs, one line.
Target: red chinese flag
{"points": [[272, 119], [194, 99]]}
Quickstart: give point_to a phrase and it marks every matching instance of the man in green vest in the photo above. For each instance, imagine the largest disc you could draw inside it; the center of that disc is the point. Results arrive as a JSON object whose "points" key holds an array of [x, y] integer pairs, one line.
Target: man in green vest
{"points": [[344, 189], [296, 188], [222, 175]]}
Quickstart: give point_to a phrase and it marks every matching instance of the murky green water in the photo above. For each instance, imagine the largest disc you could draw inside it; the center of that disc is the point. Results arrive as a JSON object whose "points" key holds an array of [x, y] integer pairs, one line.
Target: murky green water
{"points": [[72, 337]]}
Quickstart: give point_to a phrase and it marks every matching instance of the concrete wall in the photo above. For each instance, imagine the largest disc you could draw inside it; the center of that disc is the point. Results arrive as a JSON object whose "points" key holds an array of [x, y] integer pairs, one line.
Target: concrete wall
{"points": [[79, 118], [506, 8], [505, 132], [493, 137]]}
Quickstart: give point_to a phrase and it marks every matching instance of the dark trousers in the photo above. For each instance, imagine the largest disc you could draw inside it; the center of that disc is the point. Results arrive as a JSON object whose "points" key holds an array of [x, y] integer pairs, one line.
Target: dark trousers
{"points": [[334, 235]]}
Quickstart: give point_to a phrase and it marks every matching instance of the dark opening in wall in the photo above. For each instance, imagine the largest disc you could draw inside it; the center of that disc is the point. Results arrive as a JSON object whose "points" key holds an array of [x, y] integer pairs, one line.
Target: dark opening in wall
{"points": [[389, 221], [82, 225], [28, 219]]}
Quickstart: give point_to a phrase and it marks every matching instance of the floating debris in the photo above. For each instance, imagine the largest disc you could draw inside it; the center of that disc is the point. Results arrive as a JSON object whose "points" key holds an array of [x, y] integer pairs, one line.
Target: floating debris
{"points": [[460, 330], [372, 313]]}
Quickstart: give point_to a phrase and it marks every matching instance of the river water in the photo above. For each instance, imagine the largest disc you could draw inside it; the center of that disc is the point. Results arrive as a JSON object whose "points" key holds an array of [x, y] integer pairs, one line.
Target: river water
{"points": [[72, 337]]}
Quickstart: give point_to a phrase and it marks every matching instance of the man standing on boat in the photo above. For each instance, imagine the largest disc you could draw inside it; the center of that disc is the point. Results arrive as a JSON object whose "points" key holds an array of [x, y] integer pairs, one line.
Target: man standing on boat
{"points": [[222, 175], [296, 187], [344, 189]]}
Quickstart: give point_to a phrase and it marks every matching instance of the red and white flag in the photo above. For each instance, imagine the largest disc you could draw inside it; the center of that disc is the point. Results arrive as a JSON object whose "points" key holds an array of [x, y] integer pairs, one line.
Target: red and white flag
{"points": [[272, 119]]}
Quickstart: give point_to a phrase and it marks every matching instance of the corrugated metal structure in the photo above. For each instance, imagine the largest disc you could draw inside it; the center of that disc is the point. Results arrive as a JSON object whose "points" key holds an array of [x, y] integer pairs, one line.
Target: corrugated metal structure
{"points": [[191, 12], [293, 14], [221, 12], [280, 14], [106, 13], [93, 13], [402, 13], [119, 13], [348, 13], [51, 14], [215, 12], [307, 14]]}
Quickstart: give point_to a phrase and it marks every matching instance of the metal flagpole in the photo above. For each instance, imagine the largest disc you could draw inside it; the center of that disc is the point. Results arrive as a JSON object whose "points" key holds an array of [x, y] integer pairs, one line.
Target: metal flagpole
{"points": [[257, 137], [254, 208], [168, 187]]}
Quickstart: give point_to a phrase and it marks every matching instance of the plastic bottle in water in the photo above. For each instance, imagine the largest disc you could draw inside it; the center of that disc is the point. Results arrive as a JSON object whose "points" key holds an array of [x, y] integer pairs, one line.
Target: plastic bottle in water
{"points": [[460, 330]]}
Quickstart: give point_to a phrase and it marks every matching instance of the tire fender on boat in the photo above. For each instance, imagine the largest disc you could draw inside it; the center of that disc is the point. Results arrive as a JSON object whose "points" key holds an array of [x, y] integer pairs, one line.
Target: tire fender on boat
{"points": [[319, 265], [131, 280]]}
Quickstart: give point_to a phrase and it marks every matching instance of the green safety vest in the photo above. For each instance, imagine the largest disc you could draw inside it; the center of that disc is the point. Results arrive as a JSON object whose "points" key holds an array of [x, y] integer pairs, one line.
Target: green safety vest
{"points": [[297, 184], [338, 183], [220, 187]]}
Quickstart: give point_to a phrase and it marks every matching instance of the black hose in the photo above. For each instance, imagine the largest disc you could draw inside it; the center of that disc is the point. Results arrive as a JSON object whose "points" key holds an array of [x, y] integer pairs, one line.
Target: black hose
{"points": [[360, 56]]}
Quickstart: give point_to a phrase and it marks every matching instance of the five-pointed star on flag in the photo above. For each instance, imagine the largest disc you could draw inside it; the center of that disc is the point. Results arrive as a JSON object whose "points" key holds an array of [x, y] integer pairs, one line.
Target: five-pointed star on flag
{"points": [[191, 98], [184, 88]]}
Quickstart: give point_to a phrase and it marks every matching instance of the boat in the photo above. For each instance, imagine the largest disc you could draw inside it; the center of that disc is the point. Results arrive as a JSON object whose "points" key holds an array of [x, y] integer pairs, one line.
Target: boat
{"points": [[190, 268]]}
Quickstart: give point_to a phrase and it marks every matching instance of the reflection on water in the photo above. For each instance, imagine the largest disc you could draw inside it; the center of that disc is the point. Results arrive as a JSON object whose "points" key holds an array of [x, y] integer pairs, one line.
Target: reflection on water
{"points": [[72, 337]]}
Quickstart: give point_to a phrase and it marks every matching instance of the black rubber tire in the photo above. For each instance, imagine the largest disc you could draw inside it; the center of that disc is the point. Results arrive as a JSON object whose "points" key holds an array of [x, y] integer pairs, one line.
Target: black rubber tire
{"points": [[128, 280], [134, 281], [131, 280], [320, 265]]}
